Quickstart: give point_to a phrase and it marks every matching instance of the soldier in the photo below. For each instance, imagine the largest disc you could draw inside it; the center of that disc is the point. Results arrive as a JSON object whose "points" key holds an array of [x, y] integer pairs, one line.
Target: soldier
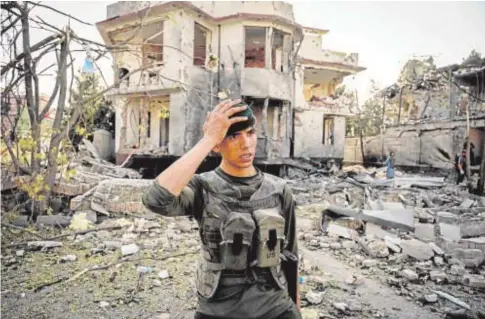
{"points": [[248, 268]]}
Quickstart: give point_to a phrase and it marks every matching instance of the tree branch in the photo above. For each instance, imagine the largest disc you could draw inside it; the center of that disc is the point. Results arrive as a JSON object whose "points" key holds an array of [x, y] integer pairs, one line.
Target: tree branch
{"points": [[39, 45], [60, 12]]}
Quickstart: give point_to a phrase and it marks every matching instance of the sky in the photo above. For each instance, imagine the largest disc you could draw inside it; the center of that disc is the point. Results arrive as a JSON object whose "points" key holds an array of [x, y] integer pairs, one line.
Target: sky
{"points": [[385, 34]]}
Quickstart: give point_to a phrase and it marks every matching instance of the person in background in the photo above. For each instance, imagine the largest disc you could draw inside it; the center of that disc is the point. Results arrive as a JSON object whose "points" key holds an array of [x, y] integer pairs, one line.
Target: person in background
{"points": [[390, 166]]}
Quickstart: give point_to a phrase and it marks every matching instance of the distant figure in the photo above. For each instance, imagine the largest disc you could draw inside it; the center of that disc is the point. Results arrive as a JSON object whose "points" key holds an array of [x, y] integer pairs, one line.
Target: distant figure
{"points": [[460, 162], [390, 166]]}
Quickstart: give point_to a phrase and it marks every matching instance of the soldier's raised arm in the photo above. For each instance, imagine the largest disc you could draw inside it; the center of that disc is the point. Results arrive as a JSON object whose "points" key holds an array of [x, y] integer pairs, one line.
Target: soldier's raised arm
{"points": [[174, 191]]}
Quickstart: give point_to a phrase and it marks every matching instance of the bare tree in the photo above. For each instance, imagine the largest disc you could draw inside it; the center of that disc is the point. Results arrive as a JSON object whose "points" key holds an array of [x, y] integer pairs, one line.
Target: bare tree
{"points": [[21, 73]]}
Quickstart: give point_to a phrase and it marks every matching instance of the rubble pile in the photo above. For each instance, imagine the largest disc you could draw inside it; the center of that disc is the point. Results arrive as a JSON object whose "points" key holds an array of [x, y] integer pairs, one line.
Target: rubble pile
{"points": [[124, 266], [423, 236]]}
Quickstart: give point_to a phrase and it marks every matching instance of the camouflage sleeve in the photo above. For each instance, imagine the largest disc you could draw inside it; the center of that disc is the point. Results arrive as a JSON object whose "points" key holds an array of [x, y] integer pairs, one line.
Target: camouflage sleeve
{"points": [[189, 203], [289, 206]]}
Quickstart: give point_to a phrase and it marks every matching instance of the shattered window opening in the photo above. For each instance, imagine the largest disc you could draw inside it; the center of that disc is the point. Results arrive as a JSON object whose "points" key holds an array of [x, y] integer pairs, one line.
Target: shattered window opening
{"points": [[277, 57], [254, 49], [152, 49], [201, 38], [328, 131]]}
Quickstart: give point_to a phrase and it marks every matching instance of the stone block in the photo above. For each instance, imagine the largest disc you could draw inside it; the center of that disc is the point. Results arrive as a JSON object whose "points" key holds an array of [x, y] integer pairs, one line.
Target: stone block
{"points": [[472, 229], [470, 257], [475, 243], [446, 217], [341, 231], [401, 219], [424, 232], [475, 281], [449, 231], [410, 275], [417, 249]]}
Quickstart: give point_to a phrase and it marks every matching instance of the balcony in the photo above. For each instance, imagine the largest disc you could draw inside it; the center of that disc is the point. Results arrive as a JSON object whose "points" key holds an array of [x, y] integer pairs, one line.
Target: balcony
{"points": [[155, 79]]}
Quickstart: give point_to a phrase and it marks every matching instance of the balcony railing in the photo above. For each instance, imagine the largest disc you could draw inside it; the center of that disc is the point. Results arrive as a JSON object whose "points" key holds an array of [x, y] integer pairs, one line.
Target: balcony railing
{"points": [[146, 80]]}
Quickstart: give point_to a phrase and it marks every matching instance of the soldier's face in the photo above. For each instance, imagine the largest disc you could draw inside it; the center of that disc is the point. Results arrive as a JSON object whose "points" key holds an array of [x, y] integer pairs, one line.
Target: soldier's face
{"points": [[239, 149]]}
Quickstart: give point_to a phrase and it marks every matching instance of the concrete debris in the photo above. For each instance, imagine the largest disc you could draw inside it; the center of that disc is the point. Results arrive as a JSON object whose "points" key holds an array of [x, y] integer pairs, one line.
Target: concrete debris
{"points": [[401, 219], [340, 306], [454, 300], [355, 280], [410, 275], [156, 283], [43, 245], [369, 263], [437, 276], [449, 231], [431, 298], [436, 249], [341, 231], [417, 249], [472, 229], [131, 249], [475, 281], [424, 232], [20, 253], [68, 258], [470, 257], [54, 220], [314, 298], [375, 248], [163, 274]]}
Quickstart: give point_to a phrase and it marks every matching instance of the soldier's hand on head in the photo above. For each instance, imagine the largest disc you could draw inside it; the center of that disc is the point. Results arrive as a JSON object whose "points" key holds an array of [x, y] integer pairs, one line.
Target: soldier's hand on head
{"points": [[218, 122]]}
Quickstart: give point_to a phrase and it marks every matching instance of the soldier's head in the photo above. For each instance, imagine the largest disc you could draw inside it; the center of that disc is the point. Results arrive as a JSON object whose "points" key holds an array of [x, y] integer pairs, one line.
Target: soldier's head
{"points": [[239, 146]]}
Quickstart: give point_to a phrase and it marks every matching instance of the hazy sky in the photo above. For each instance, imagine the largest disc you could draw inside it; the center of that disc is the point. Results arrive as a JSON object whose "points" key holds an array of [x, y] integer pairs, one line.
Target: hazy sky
{"points": [[385, 34]]}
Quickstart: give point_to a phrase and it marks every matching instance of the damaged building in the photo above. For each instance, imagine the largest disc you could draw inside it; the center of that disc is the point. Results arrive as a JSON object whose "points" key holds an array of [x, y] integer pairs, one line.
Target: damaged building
{"points": [[173, 62], [424, 117]]}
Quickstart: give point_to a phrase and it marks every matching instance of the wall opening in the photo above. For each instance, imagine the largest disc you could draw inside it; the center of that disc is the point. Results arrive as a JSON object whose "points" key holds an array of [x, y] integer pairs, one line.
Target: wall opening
{"points": [[275, 119], [152, 48], [201, 39], [254, 50], [328, 131], [149, 123], [277, 57], [164, 131]]}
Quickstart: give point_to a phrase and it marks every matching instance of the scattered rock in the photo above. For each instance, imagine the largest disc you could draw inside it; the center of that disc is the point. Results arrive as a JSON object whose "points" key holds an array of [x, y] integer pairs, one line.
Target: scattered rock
{"points": [[438, 261], [20, 253], [340, 306], [376, 248], [308, 313], [104, 304], [457, 270], [410, 275], [68, 258], [437, 276], [129, 249], [354, 306], [355, 280], [436, 249], [369, 263], [112, 245], [335, 245], [314, 298], [43, 245], [431, 298], [163, 274], [156, 283]]}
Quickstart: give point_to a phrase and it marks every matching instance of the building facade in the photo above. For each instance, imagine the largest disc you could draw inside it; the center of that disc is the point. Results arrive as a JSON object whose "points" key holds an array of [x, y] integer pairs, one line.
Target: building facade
{"points": [[174, 61]]}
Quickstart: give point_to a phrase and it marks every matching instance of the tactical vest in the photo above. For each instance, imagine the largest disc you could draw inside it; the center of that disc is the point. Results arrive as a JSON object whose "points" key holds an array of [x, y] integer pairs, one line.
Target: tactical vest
{"points": [[242, 241]]}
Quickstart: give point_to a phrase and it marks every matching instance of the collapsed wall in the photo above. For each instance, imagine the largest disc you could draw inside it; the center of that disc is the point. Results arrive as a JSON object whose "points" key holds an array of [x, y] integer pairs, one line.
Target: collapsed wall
{"points": [[432, 144]]}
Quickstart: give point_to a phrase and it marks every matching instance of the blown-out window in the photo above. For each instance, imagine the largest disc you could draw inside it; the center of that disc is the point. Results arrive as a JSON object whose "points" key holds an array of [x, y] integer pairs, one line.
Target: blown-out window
{"points": [[255, 42]]}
